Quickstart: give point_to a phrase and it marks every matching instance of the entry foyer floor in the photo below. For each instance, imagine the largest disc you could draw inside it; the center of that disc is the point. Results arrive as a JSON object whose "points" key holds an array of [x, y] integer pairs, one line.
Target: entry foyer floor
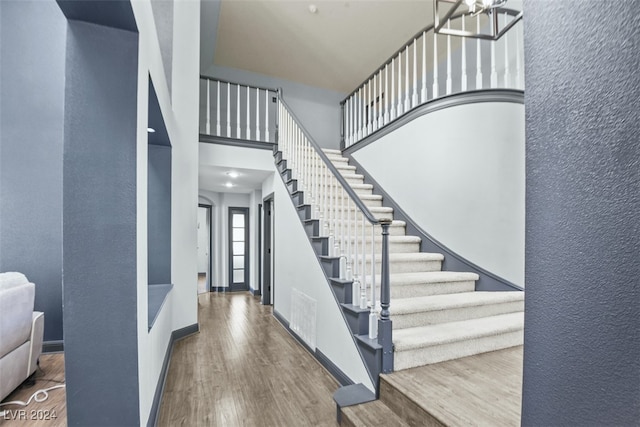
{"points": [[244, 369]]}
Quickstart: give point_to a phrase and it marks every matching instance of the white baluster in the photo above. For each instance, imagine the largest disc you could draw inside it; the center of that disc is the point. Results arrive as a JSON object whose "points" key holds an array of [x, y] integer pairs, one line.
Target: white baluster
{"points": [[414, 99], [359, 114], [355, 294], [449, 81], [478, 57], [325, 204], [238, 112], [386, 94], [374, 104], [393, 94], [343, 257], [507, 72], [208, 125], [463, 40], [400, 106], [248, 115], [228, 110], [363, 276], [424, 67], [379, 105], [369, 105], [257, 114], [218, 110], [266, 115], [519, 84], [373, 317], [407, 97], [435, 65], [494, 73], [336, 220]]}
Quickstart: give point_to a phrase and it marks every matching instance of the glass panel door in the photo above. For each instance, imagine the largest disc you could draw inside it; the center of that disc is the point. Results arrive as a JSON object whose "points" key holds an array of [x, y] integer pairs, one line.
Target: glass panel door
{"points": [[239, 249]]}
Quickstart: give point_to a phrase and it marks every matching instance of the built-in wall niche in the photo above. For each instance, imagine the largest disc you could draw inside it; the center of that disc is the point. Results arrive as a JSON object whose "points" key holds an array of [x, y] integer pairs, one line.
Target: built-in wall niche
{"points": [[158, 208]]}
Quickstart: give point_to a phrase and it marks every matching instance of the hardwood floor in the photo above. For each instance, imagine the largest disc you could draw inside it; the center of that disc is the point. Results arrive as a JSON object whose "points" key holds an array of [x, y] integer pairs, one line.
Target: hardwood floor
{"points": [[50, 374], [244, 369]]}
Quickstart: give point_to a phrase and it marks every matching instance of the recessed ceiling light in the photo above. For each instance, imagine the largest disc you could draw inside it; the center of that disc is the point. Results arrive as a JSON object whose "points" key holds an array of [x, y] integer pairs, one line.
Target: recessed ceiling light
{"points": [[233, 174], [151, 130], [228, 184], [313, 8]]}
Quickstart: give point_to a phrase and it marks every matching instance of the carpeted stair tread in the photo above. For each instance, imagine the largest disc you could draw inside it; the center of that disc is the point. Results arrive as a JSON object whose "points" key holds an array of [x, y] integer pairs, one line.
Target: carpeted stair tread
{"points": [[444, 333], [332, 151], [453, 301], [392, 239], [409, 257], [427, 277]]}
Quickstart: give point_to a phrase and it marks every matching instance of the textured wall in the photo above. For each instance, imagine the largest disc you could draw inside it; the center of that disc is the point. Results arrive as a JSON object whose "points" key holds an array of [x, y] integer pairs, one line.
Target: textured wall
{"points": [[582, 318], [99, 226], [33, 35]]}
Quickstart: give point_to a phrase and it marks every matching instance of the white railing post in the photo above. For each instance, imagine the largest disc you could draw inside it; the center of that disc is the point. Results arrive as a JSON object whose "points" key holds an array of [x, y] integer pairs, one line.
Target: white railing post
{"points": [[360, 114], [400, 106], [343, 257], [374, 104], [393, 94], [363, 276], [449, 79], [414, 99], [494, 73], [519, 83], [424, 67], [386, 94], [369, 108], [208, 125], [238, 112], [435, 65], [349, 274], [479, 82], [373, 317], [228, 110], [257, 114], [507, 73], [218, 109], [463, 81], [407, 96], [355, 287], [266, 115]]}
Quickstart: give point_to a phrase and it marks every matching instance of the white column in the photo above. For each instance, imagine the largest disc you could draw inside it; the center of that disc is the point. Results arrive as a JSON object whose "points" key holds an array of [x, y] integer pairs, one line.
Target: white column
{"points": [[266, 115], [407, 98], [208, 125], [449, 81], [463, 82], [218, 109], [435, 65], [424, 67]]}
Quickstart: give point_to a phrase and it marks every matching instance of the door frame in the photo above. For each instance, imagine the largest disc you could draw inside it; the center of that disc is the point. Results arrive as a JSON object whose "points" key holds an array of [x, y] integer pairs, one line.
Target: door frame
{"points": [[247, 266], [210, 236], [267, 250]]}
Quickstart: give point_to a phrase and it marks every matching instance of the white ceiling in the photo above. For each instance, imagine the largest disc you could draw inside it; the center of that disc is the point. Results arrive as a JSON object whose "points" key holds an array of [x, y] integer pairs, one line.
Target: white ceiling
{"points": [[213, 178], [335, 48]]}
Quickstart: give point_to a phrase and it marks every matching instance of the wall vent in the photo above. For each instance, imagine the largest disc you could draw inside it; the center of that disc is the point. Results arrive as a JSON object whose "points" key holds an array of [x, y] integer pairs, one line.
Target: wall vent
{"points": [[303, 317]]}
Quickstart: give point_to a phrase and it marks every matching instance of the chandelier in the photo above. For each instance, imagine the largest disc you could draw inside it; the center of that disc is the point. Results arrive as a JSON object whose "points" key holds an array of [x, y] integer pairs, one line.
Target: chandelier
{"points": [[447, 11]]}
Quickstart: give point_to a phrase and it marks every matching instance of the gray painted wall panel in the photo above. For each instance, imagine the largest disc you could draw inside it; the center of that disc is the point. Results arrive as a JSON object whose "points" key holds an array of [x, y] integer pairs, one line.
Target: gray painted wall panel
{"points": [[100, 283], [582, 308], [33, 37], [159, 214]]}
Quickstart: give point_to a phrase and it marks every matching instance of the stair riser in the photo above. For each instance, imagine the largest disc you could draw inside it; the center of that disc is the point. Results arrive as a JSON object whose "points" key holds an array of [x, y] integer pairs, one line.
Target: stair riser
{"points": [[401, 321], [406, 409], [423, 290], [394, 247], [393, 230], [408, 266], [440, 353]]}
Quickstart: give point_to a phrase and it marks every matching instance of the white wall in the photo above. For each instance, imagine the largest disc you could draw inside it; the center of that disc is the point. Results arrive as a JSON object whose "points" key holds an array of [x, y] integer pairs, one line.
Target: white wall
{"points": [[460, 174], [180, 113], [296, 267], [255, 199], [203, 241]]}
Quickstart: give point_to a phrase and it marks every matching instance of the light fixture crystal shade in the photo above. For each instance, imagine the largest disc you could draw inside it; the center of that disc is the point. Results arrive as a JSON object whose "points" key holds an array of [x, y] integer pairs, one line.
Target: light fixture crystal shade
{"points": [[448, 12]]}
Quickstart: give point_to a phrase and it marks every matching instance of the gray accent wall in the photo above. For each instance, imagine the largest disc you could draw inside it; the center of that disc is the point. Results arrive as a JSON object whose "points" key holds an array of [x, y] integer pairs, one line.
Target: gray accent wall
{"points": [[582, 306], [99, 223], [159, 214], [33, 37]]}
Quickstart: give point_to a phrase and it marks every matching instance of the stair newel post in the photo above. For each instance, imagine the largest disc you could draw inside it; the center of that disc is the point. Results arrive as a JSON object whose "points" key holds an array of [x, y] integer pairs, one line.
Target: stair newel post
{"points": [[363, 269], [228, 110], [449, 81], [208, 125], [407, 99], [478, 57], [373, 317], [435, 66], [400, 110], [218, 109], [414, 99], [507, 72], [392, 101], [424, 68], [249, 114], [385, 338], [343, 257], [463, 82]]}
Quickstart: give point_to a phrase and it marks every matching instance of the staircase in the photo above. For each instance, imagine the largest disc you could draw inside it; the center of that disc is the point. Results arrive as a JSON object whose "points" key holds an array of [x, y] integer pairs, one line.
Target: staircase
{"points": [[437, 315]]}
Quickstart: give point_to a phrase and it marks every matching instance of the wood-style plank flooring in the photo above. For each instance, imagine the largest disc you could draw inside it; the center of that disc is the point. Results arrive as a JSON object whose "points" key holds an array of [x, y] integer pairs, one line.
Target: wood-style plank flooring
{"points": [[480, 390], [244, 369], [39, 414]]}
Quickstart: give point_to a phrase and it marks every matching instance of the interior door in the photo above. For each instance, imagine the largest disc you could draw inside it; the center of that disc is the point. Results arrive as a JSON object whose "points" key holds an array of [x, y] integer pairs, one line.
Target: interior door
{"points": [[239, 249]]}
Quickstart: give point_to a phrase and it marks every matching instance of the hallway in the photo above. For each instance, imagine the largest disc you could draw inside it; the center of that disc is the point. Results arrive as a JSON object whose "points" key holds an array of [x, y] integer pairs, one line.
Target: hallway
{"points": [[244, 369]]}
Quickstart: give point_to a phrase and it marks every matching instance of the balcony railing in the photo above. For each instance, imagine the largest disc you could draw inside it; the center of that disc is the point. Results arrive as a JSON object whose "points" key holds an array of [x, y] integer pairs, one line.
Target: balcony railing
{"points": [[432, 66]]}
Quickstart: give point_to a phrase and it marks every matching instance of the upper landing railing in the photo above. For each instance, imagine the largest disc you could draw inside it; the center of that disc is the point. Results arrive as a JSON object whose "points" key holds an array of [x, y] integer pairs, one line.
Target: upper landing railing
{"points": [[431, 66], [234, 111]]}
